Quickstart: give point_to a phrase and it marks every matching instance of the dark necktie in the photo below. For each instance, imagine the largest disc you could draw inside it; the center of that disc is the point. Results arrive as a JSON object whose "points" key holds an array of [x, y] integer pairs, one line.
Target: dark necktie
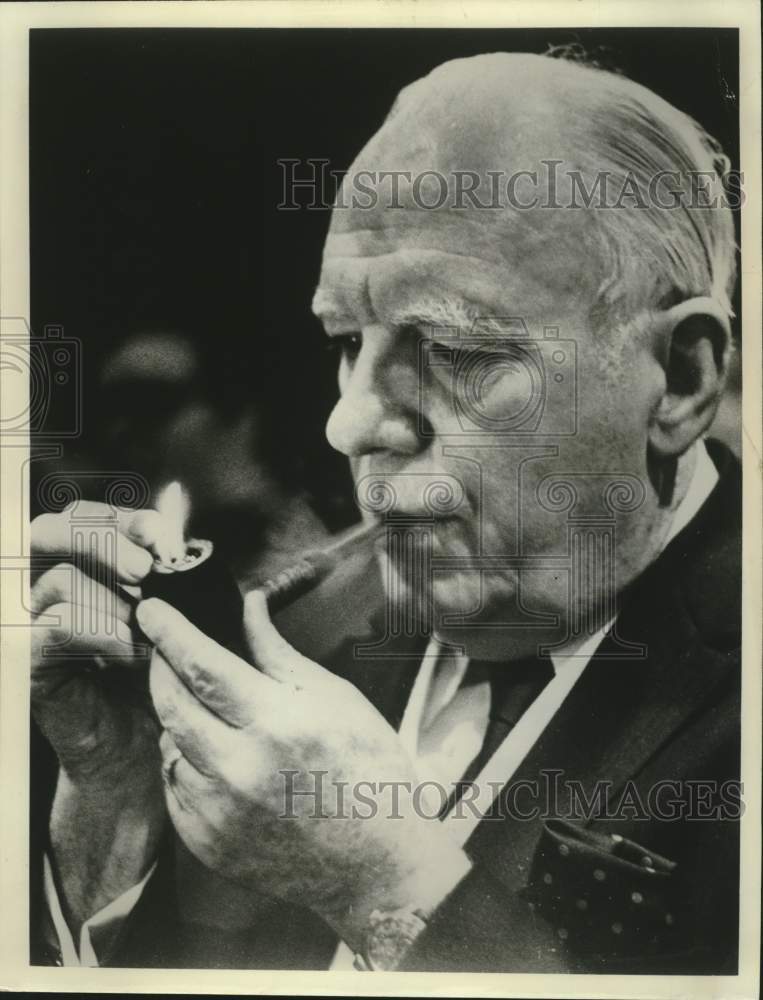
{"points": [[514, 686]]}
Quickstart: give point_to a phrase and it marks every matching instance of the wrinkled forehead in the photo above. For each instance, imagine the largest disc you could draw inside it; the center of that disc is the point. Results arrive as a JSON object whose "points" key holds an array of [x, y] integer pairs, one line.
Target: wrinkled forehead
{"points": [[424, 206], [378, 265]]}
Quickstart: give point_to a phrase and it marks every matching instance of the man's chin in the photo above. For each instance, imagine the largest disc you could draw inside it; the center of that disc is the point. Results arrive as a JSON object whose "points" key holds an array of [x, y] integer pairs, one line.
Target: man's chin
{"points": [[451, 595], [485, 618]]}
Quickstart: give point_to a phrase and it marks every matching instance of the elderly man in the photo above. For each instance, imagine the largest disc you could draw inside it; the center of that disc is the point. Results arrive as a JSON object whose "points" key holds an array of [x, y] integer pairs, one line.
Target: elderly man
{"points": [[529, 378]]}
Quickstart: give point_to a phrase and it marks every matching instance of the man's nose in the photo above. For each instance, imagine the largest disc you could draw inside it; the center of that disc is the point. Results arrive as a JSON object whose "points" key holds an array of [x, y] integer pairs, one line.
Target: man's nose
{"points": [[379, 407]]}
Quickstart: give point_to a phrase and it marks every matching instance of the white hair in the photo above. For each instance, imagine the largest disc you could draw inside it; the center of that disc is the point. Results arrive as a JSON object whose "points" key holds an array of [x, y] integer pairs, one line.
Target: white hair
{"points": [[601, 124], [655, 255]]}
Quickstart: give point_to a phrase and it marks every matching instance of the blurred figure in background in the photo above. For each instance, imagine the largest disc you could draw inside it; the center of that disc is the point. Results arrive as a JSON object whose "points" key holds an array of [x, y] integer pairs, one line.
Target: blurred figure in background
{"points": [[213, 447]]}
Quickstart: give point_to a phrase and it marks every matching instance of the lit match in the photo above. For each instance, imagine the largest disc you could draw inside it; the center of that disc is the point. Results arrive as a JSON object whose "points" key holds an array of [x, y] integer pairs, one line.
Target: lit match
{"points": [[174, 507]]}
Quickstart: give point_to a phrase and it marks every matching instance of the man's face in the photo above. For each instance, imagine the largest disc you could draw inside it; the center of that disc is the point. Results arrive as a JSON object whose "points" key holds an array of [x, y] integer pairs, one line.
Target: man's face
{"points": [[491, 421]]}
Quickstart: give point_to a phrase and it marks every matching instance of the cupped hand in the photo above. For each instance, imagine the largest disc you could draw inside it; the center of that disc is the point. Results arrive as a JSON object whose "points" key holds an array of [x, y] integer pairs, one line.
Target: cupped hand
{"points": [[241, 743], [89, 691]]}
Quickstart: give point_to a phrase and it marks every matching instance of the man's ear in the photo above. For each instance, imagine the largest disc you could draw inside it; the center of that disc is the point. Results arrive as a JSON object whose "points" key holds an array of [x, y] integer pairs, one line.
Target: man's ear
{"points": [[693, 343]]}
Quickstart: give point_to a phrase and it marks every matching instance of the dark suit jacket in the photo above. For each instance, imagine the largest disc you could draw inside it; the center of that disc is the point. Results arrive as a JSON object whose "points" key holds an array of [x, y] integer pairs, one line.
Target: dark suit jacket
{"points": [[646, 881]]}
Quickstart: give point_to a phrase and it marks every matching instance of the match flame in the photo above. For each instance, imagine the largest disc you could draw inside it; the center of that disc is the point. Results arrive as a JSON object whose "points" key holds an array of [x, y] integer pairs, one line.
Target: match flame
{"points": [[174, 507]]}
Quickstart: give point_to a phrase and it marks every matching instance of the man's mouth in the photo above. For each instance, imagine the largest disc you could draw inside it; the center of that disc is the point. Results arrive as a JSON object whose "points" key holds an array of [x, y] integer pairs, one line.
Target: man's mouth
{"points": [[410, 496], [415, 531], [413, 519]]}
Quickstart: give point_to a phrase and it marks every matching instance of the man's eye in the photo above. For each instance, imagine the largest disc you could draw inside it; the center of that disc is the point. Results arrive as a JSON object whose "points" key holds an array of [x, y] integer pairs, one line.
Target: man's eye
{"points": [[346, 345], [475, 356]]}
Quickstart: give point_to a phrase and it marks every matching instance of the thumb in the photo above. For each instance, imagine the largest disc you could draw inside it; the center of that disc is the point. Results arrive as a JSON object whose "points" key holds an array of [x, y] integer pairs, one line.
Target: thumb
{"points": [[271, 652]]}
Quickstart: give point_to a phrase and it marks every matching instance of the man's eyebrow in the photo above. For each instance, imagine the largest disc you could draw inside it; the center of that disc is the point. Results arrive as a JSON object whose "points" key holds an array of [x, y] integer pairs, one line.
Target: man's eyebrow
{"points": [[434, 311], [448, 311]]}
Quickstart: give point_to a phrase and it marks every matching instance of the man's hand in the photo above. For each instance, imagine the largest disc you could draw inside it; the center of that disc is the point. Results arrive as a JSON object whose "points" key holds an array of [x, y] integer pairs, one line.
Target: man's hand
{"points": [[234, 736], [90, 700], [86, 667]]}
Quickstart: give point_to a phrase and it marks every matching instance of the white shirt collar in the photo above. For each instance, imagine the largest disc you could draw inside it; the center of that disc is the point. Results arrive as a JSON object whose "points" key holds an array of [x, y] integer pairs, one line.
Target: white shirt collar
{"points": [[702, 484]]}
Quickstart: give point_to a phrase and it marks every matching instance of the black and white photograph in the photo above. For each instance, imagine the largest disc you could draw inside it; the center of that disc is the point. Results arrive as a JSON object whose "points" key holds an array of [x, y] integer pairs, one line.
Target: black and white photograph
{"points": [[378, 399]]}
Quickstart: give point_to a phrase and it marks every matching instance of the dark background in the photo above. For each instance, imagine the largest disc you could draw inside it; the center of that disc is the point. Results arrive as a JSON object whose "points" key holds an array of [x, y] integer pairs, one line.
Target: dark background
{"points": [[155, 185]]}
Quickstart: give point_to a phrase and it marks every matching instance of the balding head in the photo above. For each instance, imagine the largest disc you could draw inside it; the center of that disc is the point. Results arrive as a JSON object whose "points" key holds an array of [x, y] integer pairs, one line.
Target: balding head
{"points": [[506, 130]]}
